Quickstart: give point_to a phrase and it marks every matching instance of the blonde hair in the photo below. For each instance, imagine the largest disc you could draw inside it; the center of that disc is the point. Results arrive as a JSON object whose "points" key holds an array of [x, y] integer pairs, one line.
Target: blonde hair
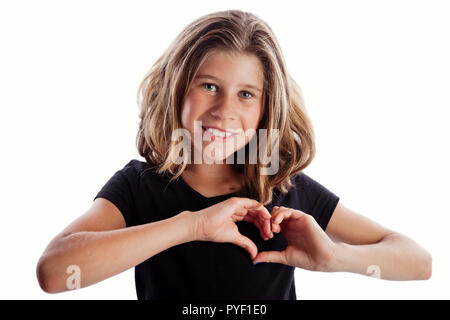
{"points": [[164, 87]]}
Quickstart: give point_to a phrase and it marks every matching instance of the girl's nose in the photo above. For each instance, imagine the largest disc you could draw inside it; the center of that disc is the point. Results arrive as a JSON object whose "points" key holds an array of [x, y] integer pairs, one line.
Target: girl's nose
{"points": [[224, 109]]}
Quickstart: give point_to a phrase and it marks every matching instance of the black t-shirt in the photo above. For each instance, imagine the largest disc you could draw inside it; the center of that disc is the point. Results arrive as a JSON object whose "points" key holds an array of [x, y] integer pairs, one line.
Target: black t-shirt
{"points": [[201, 269]]}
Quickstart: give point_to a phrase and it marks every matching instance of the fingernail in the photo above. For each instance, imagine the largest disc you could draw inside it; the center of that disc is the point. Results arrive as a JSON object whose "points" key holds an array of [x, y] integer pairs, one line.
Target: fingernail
{"points": [[255, 263]]}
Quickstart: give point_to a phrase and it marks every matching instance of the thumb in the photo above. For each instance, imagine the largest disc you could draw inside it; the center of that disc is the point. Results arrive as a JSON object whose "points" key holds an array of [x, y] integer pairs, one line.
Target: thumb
{"points": [[247, 244], [271, 256]]}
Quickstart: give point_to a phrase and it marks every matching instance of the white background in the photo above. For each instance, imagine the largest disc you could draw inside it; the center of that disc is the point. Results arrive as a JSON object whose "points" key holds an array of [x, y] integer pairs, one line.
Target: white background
{"points": [[375, 77]]}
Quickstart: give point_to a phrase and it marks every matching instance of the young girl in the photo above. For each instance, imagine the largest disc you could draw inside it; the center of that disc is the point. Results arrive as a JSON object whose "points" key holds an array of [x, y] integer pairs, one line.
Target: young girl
{"points": [[194, 222]]}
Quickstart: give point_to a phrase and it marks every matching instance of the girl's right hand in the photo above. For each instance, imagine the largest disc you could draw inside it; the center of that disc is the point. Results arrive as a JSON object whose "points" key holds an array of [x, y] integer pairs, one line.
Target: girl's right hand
{"points": [[217, 223]]}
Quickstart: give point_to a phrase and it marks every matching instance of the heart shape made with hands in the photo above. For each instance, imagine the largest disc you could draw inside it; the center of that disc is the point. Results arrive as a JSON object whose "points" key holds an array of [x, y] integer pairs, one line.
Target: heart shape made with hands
{"points": [[217, 223]]}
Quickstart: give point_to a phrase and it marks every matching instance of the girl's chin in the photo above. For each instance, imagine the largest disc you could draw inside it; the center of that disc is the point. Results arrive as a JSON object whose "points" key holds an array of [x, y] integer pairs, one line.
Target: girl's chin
{"points": [[214, 155], [218, 157]]}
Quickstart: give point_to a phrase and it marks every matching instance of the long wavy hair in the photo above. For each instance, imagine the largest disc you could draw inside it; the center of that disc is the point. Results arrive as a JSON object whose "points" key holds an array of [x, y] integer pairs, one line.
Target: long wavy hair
{"points": [[164, 87]]}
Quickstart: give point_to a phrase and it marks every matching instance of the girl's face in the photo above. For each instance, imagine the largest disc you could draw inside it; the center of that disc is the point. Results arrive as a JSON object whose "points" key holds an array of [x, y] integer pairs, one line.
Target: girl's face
{"points": [[226, 94]]}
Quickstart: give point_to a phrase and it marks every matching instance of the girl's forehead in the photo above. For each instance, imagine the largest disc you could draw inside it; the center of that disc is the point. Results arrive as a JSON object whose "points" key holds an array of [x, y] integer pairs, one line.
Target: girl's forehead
{"points": [[222, 64], [218, 54]]}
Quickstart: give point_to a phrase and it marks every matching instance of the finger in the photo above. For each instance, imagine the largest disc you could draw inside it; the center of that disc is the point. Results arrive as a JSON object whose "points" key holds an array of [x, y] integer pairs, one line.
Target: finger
{"points": [[263, 234], [279, 216], [263, 226], [262, 213], [268, 229], [261, 218], [271, 256], [255, 207], [282, 214], [240, 211], [274, 209], [259, 215], [246, 203], [255, 213], [241, 214], [245, 206], [275, 228], [247, 244]]}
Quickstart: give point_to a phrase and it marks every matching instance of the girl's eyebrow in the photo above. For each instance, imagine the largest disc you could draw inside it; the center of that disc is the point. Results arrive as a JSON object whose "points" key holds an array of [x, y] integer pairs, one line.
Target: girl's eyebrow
{"points": [[216, 79]]}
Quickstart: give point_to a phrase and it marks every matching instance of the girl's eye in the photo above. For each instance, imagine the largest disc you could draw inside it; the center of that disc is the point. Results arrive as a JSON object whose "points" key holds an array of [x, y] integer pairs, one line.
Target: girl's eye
{"points": [[208, 84], [249, 94]]}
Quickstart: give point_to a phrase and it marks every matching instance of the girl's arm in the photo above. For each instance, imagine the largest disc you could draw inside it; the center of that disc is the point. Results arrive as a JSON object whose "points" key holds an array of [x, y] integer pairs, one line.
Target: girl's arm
{"points": [[100, 246], [351, 243], [365, 247]]}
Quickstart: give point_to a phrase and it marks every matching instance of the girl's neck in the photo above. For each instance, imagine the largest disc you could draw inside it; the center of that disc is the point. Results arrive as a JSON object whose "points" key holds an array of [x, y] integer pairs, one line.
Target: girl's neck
{"points": [[211, 173], [212, 180]]}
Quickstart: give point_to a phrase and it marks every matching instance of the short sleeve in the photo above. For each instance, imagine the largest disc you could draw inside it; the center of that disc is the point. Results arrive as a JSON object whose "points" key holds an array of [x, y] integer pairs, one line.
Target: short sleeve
{"points": [[120, 190], [319, 201]]}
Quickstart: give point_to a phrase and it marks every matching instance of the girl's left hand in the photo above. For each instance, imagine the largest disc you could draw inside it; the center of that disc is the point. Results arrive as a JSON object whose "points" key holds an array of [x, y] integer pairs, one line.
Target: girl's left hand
{"points": [[309, 247]]}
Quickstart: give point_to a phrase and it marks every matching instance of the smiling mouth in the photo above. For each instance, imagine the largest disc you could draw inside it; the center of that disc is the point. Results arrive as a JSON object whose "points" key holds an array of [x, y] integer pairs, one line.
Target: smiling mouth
{"points": [[216, 134]]}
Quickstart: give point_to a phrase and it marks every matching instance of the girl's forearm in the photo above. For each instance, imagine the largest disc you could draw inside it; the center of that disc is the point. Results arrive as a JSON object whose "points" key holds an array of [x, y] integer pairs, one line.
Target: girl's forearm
{"points": [[396, 257], [102, 254]]}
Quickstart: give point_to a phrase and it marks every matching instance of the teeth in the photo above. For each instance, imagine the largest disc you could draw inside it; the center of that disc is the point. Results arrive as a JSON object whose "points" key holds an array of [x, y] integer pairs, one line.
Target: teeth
{"points": [[218, 133]]}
